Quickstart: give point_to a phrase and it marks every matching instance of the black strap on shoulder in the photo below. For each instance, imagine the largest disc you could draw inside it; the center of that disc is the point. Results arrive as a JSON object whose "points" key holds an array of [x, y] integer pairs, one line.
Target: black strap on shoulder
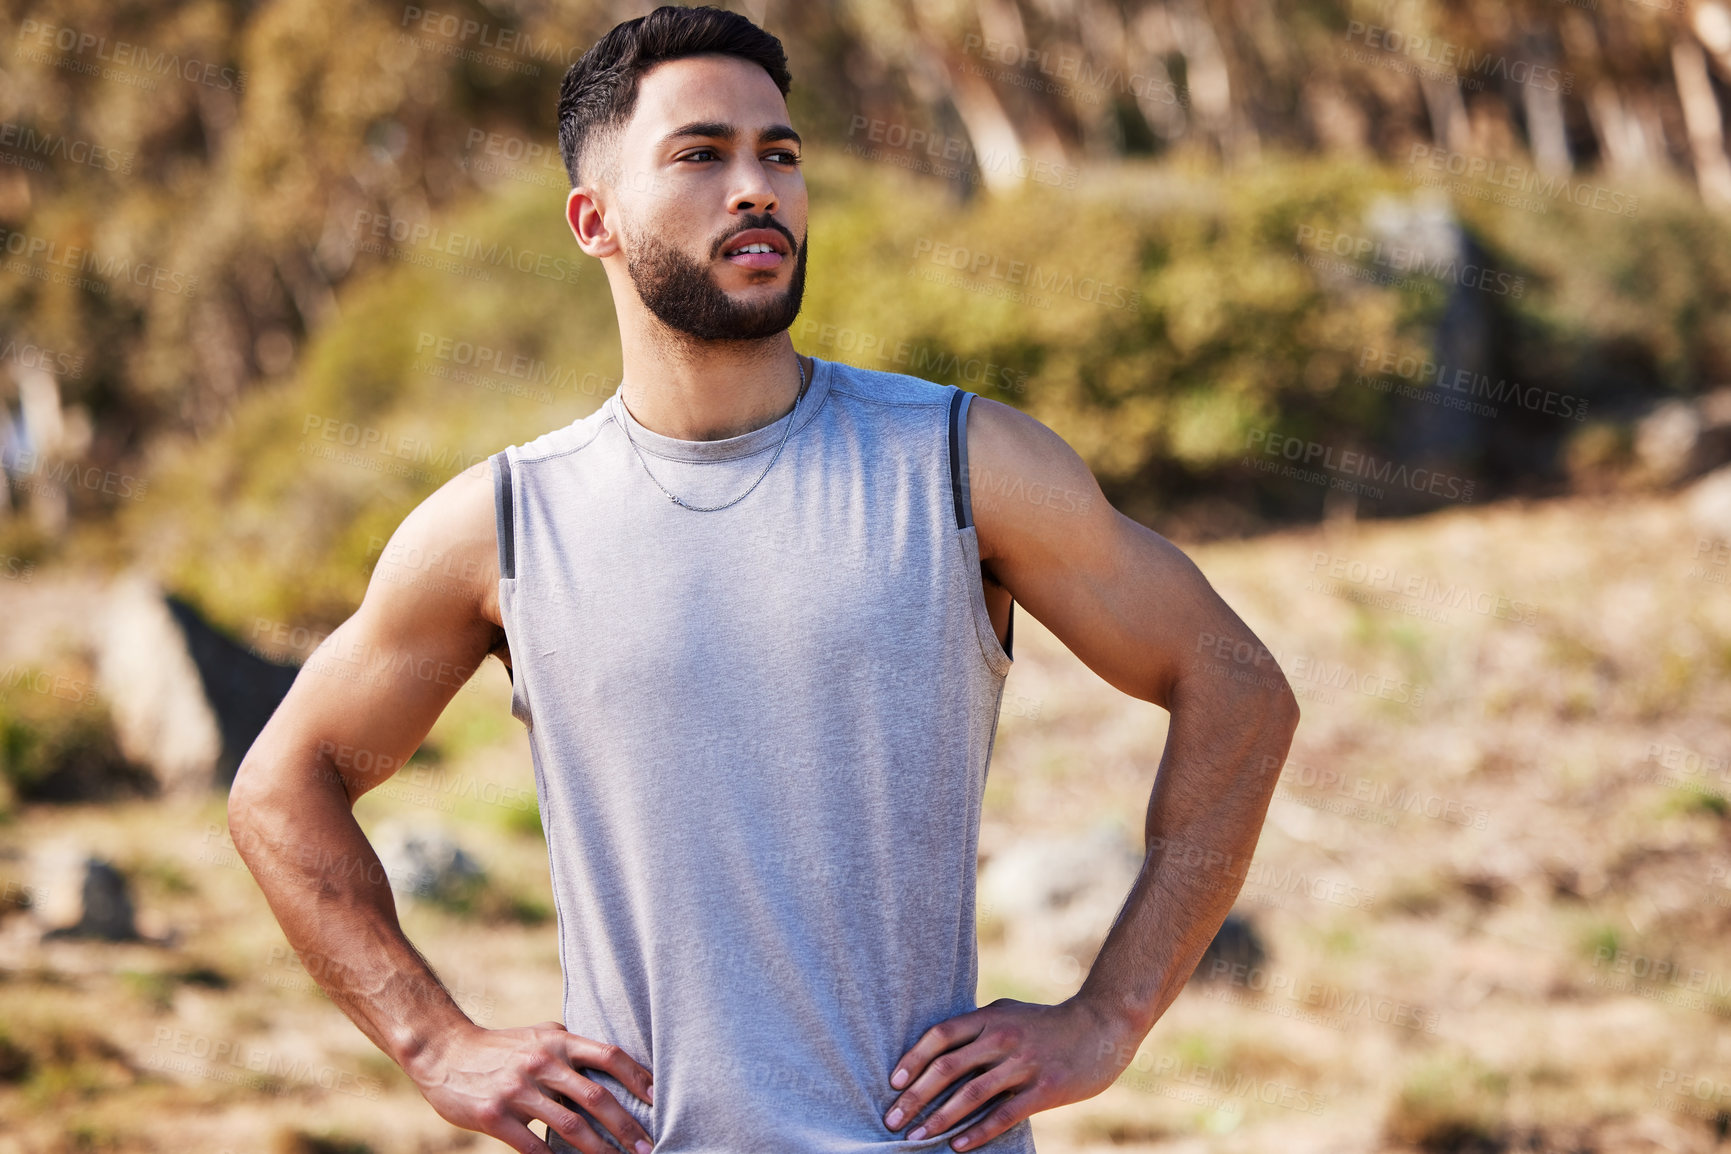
{"points": [[959, 454], [959, 401], [502, 520], [502, 514]]}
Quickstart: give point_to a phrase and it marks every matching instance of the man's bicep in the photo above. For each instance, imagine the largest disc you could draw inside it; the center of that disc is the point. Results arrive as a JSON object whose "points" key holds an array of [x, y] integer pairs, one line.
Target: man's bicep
{"points": [[1121, 597], [366, 698]]}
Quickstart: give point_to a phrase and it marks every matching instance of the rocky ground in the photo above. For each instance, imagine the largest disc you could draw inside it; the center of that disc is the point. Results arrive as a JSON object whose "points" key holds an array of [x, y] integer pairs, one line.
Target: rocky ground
{"points": [[1492, 900]]}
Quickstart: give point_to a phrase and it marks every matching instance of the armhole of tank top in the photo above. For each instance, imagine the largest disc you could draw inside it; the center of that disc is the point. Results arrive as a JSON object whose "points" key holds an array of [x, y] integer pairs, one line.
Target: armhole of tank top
{"points": [[504, 523], [998, 654], [502, 520]]}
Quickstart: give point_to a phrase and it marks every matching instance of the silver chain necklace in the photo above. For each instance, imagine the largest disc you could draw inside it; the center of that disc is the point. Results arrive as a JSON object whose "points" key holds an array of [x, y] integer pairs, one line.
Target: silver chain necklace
{"points": [[712, 508]]}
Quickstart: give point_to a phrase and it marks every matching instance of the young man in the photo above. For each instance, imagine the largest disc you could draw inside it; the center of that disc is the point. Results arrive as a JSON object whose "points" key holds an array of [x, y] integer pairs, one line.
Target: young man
{"points": [[757, 610]]}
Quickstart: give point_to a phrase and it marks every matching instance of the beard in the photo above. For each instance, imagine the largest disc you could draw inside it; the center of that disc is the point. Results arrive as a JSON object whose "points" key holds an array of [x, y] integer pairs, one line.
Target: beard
{"points": [[684, 295]]}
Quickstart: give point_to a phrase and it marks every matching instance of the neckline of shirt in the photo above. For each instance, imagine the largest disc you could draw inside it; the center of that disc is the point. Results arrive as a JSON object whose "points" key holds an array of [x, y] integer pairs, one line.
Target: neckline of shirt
{"points": [[728, 448]]}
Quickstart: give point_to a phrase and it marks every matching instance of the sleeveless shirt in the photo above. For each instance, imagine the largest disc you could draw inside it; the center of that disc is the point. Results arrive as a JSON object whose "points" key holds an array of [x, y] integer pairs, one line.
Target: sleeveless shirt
{"points": [[760, 739]]}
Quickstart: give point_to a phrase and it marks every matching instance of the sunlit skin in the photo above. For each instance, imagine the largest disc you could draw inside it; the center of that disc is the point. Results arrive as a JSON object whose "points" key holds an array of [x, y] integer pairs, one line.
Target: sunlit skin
{"points": [[1122, 598]]}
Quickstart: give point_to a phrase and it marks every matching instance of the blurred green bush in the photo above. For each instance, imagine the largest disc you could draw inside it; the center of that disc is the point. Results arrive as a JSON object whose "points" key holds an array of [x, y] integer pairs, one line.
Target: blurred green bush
{"points": [[1153, 316], [57, 740]]}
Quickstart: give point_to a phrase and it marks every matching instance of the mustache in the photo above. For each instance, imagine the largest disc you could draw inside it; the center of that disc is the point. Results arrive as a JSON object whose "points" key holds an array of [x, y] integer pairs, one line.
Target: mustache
{"points": [[757, 220]]}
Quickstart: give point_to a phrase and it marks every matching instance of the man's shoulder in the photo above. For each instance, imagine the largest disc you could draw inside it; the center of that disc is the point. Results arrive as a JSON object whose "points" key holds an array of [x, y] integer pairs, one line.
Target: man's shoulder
{"points": [[561, 441], [886, 387]]}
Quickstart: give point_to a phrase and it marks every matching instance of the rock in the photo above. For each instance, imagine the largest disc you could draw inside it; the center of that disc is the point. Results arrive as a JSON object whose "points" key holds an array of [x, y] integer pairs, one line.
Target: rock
{"points": [[1709, 504], [242, 688], [187, 701], [1057, 896], [1236, 945], [1041, 875], [74, 894], [1682, 439], [424, 862], [154, 692]]}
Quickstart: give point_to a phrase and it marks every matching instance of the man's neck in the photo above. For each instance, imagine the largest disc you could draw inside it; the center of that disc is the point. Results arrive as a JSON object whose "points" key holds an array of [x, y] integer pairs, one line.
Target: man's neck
{"points": [[710, 390]]}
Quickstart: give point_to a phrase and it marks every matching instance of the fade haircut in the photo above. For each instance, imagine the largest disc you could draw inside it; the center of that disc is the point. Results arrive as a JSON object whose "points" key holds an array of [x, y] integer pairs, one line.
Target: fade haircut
{"points": [[600, 90]]}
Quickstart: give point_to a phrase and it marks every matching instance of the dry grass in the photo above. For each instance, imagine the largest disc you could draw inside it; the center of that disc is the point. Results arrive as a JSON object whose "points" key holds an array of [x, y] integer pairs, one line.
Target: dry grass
{"points": [[1542, 960]]}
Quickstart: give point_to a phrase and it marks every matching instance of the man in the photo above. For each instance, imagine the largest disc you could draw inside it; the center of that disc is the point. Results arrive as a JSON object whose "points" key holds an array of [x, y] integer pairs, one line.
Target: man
{"points": [[760, 640]]}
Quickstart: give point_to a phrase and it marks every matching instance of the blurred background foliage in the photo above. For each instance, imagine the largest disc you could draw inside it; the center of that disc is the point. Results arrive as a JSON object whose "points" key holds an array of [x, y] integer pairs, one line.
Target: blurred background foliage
{"points": [[238, 309]]}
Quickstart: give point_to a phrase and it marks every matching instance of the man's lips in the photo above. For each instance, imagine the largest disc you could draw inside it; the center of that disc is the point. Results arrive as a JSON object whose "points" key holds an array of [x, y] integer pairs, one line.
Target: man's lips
{"points": [[748, 249]]}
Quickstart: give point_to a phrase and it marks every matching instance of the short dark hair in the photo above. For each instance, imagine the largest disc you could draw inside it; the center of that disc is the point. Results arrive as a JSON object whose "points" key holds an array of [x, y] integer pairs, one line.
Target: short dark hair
{"points": [[600, 90]]}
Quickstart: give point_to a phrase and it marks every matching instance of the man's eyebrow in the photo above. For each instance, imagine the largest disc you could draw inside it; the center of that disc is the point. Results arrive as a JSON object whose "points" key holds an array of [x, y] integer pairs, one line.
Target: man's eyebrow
{"points": [[715, 130]]}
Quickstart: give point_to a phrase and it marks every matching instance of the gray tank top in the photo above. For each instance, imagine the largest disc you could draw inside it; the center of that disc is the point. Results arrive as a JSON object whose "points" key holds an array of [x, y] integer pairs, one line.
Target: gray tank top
{"points": [[760, 739]]}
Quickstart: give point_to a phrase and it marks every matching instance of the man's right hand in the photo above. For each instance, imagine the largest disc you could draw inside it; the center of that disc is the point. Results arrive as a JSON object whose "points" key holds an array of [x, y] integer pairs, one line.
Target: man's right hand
{"points": [[496, 1081]]}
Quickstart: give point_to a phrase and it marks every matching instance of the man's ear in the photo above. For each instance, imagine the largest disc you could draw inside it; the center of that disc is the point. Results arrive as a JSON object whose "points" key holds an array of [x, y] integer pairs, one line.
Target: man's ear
{"points": [[588, 220]]}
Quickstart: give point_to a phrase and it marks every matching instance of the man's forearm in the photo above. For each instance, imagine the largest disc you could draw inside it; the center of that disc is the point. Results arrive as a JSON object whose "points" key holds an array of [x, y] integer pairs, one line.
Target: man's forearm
{"points": [[329, 891], [1223, 753]]}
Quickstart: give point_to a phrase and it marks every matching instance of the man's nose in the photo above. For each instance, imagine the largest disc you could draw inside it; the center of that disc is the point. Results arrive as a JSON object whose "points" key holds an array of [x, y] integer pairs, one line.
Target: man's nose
{"points": [[752, 191]]}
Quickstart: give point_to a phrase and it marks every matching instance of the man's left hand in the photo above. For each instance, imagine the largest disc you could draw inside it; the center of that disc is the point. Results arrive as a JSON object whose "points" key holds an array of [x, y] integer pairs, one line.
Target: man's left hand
{"points": [[1045, 1056]]}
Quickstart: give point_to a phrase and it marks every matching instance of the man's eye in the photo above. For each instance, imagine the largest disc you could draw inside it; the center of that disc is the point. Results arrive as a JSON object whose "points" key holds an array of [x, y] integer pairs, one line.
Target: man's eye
{"points": [[783, 156], [700, 154]]}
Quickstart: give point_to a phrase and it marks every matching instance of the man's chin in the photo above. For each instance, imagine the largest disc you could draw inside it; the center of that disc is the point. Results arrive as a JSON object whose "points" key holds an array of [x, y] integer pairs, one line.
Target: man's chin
{"points": [[747, 323]]}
